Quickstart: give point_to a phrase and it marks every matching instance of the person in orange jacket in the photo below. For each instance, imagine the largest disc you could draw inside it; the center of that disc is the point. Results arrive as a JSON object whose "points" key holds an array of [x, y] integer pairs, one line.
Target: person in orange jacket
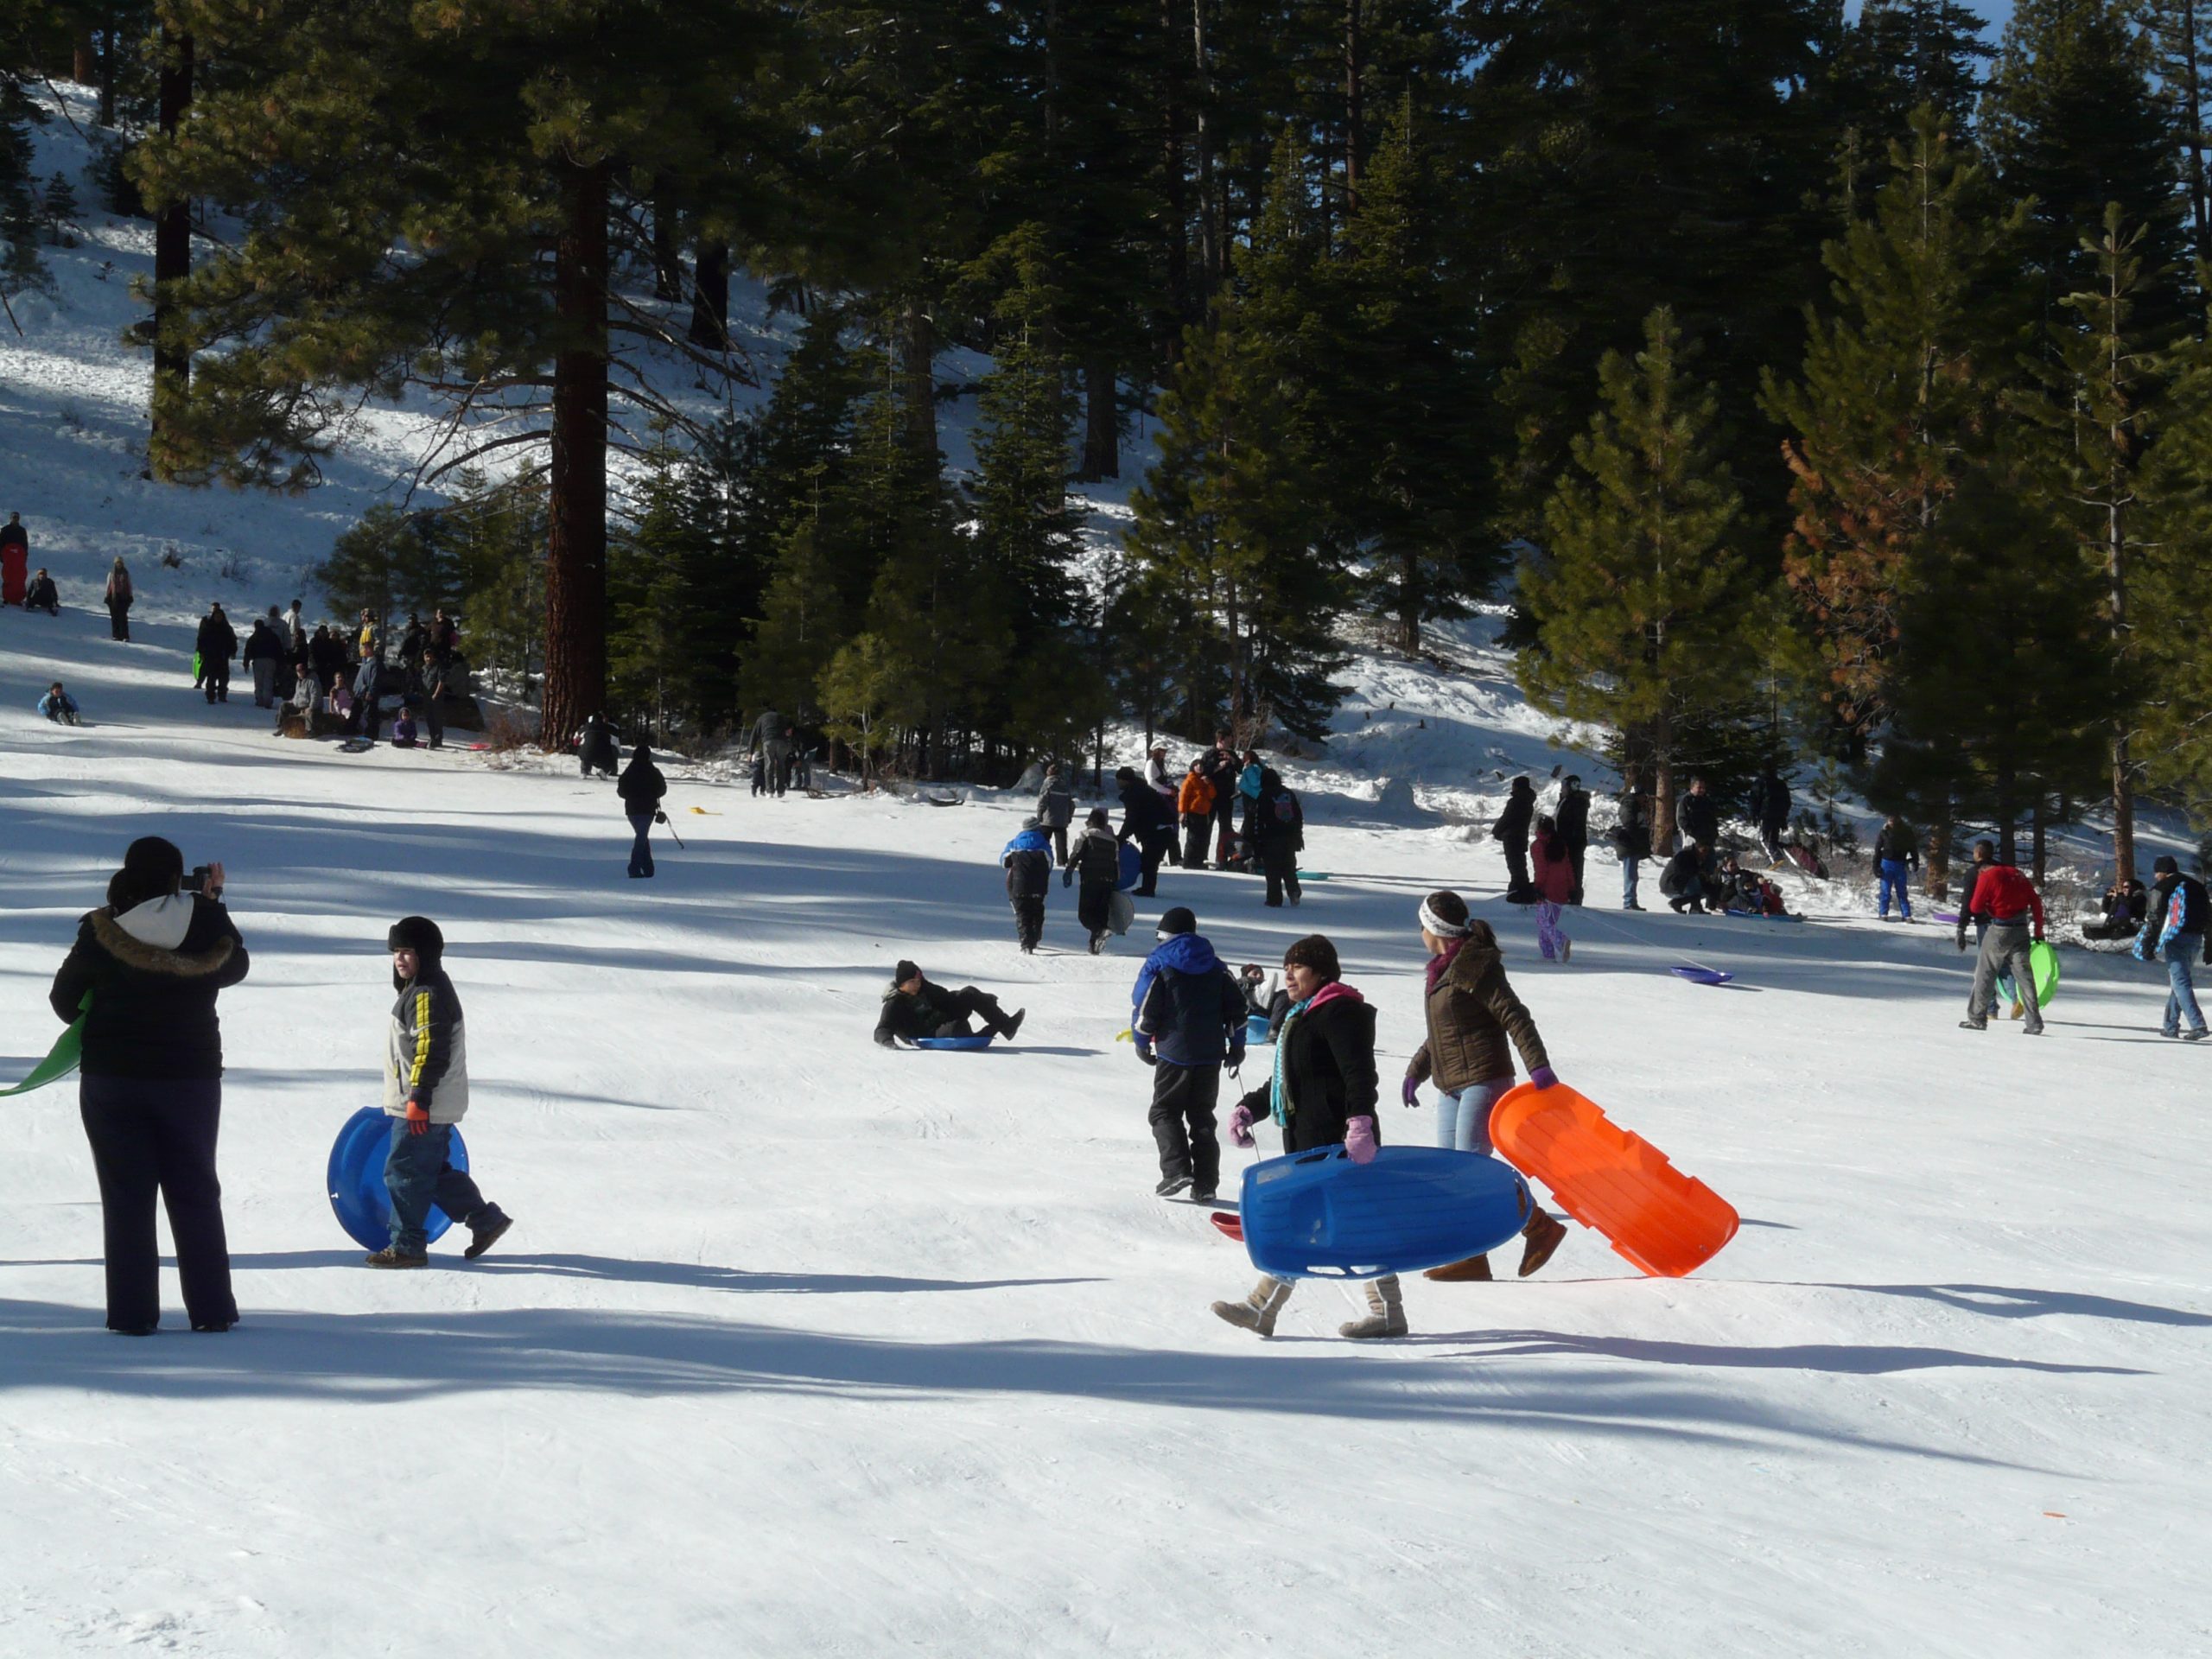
{"points": [[2004, 902], [1194, 801]]}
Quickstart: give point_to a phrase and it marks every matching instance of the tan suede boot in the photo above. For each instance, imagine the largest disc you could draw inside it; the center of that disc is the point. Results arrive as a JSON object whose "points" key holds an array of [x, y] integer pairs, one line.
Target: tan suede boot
{"points": [[1257, 1311], [1540, 1238], [1389, 1316], [1474, 1270]]}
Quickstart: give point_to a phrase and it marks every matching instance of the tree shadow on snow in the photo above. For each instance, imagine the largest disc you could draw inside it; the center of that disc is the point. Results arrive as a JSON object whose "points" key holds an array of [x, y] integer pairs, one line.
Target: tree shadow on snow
{"points": [[1842, 1359], [695, 1275], [2005, 1302], [434, 1353]]}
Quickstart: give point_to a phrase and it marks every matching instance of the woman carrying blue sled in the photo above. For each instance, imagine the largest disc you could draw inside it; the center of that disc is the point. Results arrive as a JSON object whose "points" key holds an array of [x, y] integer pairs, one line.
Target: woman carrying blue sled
{"points": [[1472, 1012], [1322, 1094]]}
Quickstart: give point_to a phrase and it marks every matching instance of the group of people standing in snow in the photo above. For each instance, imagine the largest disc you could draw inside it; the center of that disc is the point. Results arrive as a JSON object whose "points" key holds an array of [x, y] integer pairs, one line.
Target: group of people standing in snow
{"points": [[143, 976]]}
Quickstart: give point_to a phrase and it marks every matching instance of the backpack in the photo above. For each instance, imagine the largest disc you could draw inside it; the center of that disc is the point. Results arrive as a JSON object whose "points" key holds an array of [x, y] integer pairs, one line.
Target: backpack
{"points": [[1285, 808]]}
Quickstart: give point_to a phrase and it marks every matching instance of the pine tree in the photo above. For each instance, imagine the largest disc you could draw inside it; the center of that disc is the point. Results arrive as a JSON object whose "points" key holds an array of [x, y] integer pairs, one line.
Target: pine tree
{"points": [[1898, 392], [868, 693], [1643, 608], [2181, 33], [1921, 52], [21, 266]]}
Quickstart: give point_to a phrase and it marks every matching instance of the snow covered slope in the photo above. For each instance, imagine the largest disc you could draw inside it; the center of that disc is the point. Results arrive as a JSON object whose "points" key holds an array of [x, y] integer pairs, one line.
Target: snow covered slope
{"points": [[802, 1347]]}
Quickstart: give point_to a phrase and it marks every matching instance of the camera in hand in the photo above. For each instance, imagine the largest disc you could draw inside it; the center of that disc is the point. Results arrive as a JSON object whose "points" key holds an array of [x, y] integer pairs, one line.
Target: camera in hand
{"points": [[197, 881]]}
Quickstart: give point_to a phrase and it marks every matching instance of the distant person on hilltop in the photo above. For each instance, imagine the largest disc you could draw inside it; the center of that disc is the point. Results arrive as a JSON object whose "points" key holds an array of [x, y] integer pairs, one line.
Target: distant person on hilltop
{"points": [[1573, 817], [1219, 764], [15, 559], [1896, 854], [1194, 801], [771, 741], [2179, 913], [1511, 833], [1771, 809], [117, 598], [1633, 843], [217, 642], [1554, 882], [40, 595]]}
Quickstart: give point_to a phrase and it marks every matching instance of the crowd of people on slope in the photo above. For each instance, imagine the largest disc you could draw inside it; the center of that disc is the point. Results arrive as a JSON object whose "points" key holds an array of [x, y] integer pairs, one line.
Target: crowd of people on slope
{"points": [[143, 975]]}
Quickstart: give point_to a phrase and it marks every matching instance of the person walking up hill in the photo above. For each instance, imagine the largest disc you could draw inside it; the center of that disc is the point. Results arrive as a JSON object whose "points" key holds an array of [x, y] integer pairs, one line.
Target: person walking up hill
{"points": [[640, 790], [1187, 1017], [2004, 901], [2179, 914]]}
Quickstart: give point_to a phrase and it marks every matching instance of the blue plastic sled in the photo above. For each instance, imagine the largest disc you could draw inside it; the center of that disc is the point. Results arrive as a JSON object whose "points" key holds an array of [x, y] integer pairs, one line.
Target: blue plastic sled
{"points": [[1255, 1027], [1701, 976], [955, 1045], [358, 1196], [1132, 866], [1317, 1215]]}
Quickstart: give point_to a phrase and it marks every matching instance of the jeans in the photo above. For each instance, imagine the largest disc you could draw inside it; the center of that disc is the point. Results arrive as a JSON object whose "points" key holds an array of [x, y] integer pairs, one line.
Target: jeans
{"points": [[156, 1137], [1893, 879], [641, 851], [2181, 951], [417, 1173], [1463, 1120], [1629, 868]]}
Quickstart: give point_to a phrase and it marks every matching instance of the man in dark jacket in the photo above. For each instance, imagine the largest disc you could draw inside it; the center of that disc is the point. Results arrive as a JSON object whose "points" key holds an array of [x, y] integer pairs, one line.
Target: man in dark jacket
{"points": [[41, 595], [771, 742], [1028, 862], [1571, 820], [261, 653], [1511, 833], [1683, 881], [641, 788], [2179, 913], [1770, 807], [325, 656], [1096, 861], [1896, 856], [1146, 819], [2003, 901], [1187, 1016], [1698, 817], [217, 642], [914, 1007], [1278, 825], [151, 1096], [595, 747], [1055, 809], [1218, 765], [1631, 838]]}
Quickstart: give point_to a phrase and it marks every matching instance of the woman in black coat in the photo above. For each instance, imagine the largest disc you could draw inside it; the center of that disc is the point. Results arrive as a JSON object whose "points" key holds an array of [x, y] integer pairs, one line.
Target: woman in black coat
{"points": [[641, 788], [1322, 1094], [151, 1088]]}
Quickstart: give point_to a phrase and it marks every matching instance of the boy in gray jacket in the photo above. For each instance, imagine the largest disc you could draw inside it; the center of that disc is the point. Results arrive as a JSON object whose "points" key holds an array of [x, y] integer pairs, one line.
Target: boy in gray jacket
{"points": [[425, 1094]]}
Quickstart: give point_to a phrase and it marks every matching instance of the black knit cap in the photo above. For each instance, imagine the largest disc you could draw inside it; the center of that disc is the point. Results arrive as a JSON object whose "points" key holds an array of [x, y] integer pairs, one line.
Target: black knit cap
{"points": [[416, 933], [1178, 921], [2165, 864], [904, 971], [1315, 952]]}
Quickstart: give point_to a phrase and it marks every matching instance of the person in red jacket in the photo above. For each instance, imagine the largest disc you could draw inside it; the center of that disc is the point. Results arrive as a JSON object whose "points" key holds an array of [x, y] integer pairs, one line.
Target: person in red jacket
{"points": [[2004, 903], [15, 559], [1552, 861]]}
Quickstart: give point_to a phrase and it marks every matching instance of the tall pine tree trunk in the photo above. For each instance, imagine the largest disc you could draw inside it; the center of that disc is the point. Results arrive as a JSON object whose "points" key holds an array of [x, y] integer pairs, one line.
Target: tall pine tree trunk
{"points": [[2192, 96], [1176, 228], [711, 297], [84, 61], [1355, 73], [668, 261], [575, 550], [1409, 601], [1213, 257], [107, 69], [172, 265], [916, 347], [1936, 876], [1662, 784], [1101, 431], [2123, 778], [2039, 838]]}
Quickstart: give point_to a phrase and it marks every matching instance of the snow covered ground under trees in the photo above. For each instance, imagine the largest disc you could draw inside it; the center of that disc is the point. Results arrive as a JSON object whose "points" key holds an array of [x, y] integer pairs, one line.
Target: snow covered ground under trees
{"points": [[801, 1347]]}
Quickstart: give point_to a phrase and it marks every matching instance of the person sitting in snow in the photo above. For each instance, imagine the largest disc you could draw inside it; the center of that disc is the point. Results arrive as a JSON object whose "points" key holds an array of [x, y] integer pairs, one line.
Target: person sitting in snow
{"points": [[402, 727], [1028, 862], [425, 1094], [914, 1008], [1264, 998], [1683, 882], [58, 705], [1187, 1016], [40, 595]]}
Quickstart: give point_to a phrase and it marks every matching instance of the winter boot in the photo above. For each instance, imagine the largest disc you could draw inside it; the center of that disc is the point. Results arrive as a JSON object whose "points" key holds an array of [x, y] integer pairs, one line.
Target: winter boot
{"points": [[1257, 1311], [1566, 950], [2017, 1009], [1474, 1270], [1539, 1239], [1389, 1315], [1010, 1026], [388, 1257], [487, 1230], [1973, 1025], [1098, 942], [1171, 1184]]}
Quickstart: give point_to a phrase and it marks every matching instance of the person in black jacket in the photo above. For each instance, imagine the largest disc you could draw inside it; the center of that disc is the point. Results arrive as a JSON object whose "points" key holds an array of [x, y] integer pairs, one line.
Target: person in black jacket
{"points": [[1698, 816], [596, 746], [1028, 862], [1571, 821], [640, 788], [1896, 854], [260, 656], [217, 642], [145, 971], [1511, 832], [1322, 1094], [1277, 823], [1631, 838], [1146, 819], [914, 1007], [1096, 859], [41, 595], [1187, 1017], [1219, 764], [1685, 881]]}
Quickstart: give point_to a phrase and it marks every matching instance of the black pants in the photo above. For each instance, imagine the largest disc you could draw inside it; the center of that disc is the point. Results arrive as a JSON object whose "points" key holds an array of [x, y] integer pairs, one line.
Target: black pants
{"points": [[974, 1005], [1152, 845], [1029, 921], [433, 718], [1183, 1099], [1771, 838], [1059, 832], [1281, 865], [217, 682], [1516, 870], [1092, 899], [158, 1136], [118, 618], [1194, 840], [1574, 856]]}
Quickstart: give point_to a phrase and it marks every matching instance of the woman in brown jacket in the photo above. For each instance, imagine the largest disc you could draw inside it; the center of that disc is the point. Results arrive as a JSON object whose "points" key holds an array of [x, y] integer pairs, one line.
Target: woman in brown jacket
{"points": [[1472, 1014]]}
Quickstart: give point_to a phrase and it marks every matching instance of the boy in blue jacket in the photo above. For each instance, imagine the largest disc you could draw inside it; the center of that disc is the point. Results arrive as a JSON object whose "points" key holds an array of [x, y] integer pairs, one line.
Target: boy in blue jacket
{"points": [[1028, 862], [1188, 1017]]}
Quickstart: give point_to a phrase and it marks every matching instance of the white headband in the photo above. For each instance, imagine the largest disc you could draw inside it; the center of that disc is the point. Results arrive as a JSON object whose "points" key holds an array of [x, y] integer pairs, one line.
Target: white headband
{"points": [[1436, 924]]}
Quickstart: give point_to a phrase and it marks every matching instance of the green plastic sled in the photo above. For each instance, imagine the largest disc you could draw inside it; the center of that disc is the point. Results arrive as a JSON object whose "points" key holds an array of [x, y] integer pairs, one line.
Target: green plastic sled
{"points": [[59, 1062]]}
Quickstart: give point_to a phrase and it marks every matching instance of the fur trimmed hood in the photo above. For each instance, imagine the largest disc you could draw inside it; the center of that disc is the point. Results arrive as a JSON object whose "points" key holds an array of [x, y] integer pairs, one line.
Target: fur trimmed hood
{"points": [[119, 937]]}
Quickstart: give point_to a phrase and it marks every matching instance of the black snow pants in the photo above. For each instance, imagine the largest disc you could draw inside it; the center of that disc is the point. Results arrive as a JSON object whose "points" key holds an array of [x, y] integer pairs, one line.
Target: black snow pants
{"points": [[976, 1005], [1183, 1098], [1029, 921], [156, 1137], [1092, 899], [1281, 866]]}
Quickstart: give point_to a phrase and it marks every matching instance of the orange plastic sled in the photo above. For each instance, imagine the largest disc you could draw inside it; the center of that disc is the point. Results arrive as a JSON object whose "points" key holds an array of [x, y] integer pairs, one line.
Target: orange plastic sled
{"points": [[1608, 1178]]}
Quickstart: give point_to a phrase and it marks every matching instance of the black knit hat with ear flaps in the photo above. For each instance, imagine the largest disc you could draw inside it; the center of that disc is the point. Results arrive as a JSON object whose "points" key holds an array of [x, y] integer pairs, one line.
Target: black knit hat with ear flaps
{"points": [[419, 934]]}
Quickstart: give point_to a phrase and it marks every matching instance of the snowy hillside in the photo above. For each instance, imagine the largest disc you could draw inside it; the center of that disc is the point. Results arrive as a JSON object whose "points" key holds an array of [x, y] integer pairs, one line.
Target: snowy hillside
{"points": [[802, 1347]]}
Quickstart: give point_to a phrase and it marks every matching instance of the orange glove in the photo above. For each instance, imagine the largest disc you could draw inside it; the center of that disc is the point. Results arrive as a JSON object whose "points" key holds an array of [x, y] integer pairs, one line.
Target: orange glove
{"points": [[418, 1118]]}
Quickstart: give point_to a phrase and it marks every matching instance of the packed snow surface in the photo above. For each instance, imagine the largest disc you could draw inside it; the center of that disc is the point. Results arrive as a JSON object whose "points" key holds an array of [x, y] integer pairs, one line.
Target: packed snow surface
{"points": [[802, 1347]]}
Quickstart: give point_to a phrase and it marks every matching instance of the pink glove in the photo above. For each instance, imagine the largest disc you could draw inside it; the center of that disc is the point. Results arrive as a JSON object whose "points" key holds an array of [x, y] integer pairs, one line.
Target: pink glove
{"points": [[1359, 1140], [1410, 1093], [1240, 1126], [1544, 1077]]}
